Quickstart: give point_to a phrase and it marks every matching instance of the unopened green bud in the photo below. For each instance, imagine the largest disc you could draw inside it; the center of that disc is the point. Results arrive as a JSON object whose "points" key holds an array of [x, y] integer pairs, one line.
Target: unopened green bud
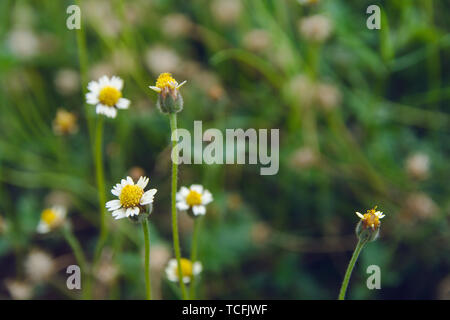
{"points": [[366, 234], [169, 97], [170, 102]]}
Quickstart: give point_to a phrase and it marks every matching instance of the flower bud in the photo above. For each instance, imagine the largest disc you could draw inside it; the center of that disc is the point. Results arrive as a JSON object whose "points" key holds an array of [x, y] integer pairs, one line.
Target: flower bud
{"points": [[366, 234], [169, 98], [368, 227], [170, 101]]}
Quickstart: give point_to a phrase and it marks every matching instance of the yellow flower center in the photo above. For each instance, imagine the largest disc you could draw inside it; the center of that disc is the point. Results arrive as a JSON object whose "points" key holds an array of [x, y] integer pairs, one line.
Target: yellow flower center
{"points": [[165, 80], [109, 96], [186, 268], [371, 219], [130, 196], [48, 216], [194, 198]]}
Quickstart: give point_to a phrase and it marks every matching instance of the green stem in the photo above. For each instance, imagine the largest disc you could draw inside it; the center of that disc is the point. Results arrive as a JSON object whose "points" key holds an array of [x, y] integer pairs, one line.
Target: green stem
{"points": [[194, 254], [148, 291], [176, 240], [83, 60], [79, 256], [100, 186], [351, 264]]}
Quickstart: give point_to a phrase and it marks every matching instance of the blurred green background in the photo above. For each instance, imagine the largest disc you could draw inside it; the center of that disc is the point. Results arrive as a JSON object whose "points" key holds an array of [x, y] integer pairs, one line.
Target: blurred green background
{"points": [[363, 118]]}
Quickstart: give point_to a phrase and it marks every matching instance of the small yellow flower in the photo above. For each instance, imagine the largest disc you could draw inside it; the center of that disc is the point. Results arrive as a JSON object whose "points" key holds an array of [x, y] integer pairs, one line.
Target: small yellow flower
{"points": [[169, 98], [65, 123], [188, 270], [164, 82], [371, 218], [51, 218]]}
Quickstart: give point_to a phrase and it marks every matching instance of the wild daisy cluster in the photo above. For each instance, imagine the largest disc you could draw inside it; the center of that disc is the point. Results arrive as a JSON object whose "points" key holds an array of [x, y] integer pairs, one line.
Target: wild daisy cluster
{"points": [[133, 201]]}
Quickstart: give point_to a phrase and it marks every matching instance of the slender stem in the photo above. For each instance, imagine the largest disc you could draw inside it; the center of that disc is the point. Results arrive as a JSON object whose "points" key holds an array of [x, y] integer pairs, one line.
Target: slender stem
{"points": [[176, 240], [79, 256], [83, 60], [194, 255], [351, 264], [148, 291], [100, 186]]}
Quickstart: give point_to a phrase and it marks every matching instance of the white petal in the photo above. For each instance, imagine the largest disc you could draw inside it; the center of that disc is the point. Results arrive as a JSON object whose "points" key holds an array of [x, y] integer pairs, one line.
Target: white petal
{"points": [[184, 191], [116, 82], [135, 211], [101, 109], [206, 197], [129, 212], [197, 268], [60, 212], [123, 103], [182, 205], [155, 89], [171, 275], [182, 194], [103, 82], [130, 181], [113, 205], [43, 227], [117, 190], [172, 263], [119, 214], [197, 187], [186, 279], [92, 98], [112, 112], [199, 210], [124, 183], [181, 84], [142, 182], [94, 87], [147, 197], [359, 215]]}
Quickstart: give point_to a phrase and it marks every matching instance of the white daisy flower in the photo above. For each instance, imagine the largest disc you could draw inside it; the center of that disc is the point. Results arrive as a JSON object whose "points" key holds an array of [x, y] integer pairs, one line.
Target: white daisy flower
{"points": [[106, 95], [131, 196], [196, 197], [51, 218], [188, 270]]}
